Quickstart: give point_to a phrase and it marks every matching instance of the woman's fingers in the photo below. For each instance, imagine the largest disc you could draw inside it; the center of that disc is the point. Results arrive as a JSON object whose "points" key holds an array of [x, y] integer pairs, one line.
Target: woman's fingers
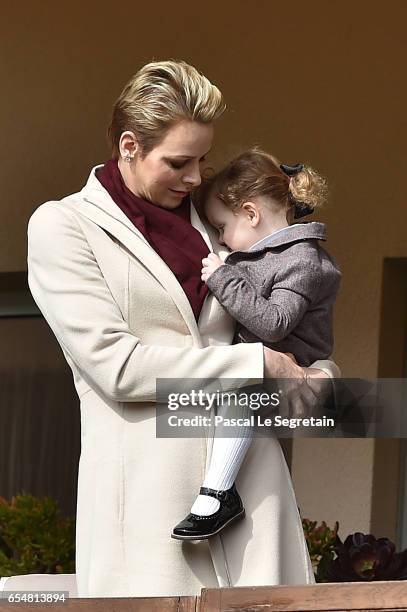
{"points": [[303, 392], [279, 365], [307, 398], [301, 401]]}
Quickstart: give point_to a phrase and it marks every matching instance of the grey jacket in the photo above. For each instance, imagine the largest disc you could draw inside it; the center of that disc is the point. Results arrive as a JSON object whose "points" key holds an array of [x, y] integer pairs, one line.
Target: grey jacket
{"points": [[282, 291]]}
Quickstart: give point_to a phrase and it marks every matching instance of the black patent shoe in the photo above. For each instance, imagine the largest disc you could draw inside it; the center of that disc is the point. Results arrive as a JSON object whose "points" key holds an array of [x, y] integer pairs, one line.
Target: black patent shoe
{"points": [[197, 527]]}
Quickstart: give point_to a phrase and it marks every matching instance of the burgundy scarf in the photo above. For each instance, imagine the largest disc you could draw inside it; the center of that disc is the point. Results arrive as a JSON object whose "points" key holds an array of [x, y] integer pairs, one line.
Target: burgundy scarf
{"points": [[169, 232]]}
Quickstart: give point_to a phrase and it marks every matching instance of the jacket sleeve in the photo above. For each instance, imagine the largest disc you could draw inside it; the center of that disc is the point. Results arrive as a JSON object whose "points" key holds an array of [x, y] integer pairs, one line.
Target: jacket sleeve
{"points": [[68, 286], [273, 317]]}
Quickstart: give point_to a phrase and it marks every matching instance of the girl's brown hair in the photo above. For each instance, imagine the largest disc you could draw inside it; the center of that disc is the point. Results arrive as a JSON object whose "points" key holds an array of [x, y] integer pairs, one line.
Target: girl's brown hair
{"points": [[257, 173]]}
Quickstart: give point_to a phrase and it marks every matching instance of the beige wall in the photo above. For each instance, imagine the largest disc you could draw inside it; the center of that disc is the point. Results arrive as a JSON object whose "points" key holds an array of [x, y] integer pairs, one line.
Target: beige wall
{"points": [[319, 81]]}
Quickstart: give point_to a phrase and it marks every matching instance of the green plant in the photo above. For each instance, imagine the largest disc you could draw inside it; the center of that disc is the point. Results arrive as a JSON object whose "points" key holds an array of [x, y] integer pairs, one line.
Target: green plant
{"points": [[322, 542], [34, 538]]}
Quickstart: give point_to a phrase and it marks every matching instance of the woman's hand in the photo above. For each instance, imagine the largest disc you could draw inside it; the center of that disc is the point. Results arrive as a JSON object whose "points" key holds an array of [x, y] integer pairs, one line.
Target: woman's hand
{"points": [[303, 390], [209, 265], [281, 365]]}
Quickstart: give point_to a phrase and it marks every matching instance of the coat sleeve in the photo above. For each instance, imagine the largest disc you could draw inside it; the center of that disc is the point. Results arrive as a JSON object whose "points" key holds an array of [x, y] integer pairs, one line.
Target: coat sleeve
{"points": [[273, 317], [68, 286]]}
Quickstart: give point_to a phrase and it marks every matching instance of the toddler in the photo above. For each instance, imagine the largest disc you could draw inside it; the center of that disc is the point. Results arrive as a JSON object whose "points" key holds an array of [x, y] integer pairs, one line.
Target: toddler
{"points": [[278, 283]]}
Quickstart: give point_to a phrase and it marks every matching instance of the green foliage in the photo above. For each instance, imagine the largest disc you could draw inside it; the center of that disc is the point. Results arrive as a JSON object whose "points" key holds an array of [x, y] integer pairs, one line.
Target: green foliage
{"points": [[322, 543], [34, 538]]}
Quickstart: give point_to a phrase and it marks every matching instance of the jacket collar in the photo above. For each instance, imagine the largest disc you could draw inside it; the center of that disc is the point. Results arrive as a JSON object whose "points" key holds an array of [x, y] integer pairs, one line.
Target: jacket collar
{"points": [[95, 203], [292, 233]]}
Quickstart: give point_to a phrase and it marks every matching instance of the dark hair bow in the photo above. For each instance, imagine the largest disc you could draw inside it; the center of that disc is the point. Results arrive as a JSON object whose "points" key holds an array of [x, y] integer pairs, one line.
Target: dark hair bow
{"points": [[301, 209], [292, 170]]}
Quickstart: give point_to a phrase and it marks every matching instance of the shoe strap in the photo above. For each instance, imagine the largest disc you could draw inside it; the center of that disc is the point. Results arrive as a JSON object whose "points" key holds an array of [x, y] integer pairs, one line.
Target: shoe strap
{"points": [[220, 495]]}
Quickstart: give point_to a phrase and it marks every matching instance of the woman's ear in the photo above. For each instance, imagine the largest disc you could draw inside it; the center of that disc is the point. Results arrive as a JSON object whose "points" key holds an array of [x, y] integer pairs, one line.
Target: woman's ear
{"points": [[252, 212], [128, 146]]}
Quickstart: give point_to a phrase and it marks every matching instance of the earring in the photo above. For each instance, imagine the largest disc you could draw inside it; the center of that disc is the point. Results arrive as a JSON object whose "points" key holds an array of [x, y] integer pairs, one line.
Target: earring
{"points": [[128, 158]]}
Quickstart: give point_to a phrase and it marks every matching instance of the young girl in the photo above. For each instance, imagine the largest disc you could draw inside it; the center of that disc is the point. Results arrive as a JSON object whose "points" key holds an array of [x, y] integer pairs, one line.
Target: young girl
{"points": [[278, 283]]}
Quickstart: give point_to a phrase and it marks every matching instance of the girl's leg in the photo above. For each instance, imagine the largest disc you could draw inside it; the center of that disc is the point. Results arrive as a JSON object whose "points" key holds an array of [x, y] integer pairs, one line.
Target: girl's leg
{"points": [[227, 457]]}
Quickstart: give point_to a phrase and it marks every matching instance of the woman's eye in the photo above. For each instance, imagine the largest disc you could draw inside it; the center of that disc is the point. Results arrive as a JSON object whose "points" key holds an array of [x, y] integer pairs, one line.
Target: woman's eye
{"points": [[176, 165]]}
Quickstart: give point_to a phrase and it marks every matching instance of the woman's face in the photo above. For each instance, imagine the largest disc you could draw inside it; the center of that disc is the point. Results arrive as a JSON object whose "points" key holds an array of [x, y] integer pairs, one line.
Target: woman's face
{"points": [[173, 168]]}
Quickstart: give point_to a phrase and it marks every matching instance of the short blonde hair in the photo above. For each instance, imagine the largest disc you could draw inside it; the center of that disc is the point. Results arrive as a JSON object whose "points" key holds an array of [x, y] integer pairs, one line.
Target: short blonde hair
{"points": [[157, 97]]}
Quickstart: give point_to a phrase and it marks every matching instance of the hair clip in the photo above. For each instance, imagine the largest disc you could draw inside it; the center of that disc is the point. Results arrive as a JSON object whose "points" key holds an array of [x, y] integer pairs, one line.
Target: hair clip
{"points": [[302, 209], [291, 170]]}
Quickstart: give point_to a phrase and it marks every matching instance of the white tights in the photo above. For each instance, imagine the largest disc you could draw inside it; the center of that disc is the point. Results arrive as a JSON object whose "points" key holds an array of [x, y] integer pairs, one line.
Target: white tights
{"points": [[227, 457]]}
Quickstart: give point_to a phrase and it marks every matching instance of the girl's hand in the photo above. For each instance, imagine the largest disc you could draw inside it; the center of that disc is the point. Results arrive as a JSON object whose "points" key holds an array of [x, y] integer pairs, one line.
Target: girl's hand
{"points": [[209, 265]]}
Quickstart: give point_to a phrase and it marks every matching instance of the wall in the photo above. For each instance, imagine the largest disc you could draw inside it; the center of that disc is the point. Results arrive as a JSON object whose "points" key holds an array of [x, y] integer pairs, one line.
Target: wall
{"points": [[316, 81]]}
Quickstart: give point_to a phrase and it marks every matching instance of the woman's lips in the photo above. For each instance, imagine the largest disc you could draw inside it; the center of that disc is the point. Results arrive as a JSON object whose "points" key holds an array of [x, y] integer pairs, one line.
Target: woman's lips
{"points": [[180, 193]]}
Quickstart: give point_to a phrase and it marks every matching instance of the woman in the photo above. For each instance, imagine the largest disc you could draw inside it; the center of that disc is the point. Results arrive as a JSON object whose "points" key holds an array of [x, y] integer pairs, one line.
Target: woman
{"points": [[115, 269]]}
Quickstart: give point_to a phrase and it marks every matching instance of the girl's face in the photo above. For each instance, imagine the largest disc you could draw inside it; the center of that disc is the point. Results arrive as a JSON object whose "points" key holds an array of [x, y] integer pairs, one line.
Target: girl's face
{"points": [[235, 228], [173, 168]]}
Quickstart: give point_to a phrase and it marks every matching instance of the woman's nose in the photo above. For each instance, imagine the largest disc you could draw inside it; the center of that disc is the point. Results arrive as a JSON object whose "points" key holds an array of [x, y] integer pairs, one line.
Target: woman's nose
{"points": [[193, 177]]}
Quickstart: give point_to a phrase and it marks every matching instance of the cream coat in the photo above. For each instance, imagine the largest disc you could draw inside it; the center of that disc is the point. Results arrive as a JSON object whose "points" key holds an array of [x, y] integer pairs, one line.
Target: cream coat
{"points": [[122, 321]]}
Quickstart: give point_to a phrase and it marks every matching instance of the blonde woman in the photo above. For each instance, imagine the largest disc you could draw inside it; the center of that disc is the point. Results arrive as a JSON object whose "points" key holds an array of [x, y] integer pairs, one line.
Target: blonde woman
{"points": [[116, 269]]}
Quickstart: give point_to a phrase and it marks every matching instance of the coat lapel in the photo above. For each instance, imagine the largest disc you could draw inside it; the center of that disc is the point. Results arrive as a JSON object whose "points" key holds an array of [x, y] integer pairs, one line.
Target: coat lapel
{"points": [[95, 203], [211, 307]]}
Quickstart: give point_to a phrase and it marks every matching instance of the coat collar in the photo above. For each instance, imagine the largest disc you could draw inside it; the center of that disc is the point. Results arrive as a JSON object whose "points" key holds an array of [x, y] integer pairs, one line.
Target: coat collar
{"points": [[95, 203], [292, 233]]}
